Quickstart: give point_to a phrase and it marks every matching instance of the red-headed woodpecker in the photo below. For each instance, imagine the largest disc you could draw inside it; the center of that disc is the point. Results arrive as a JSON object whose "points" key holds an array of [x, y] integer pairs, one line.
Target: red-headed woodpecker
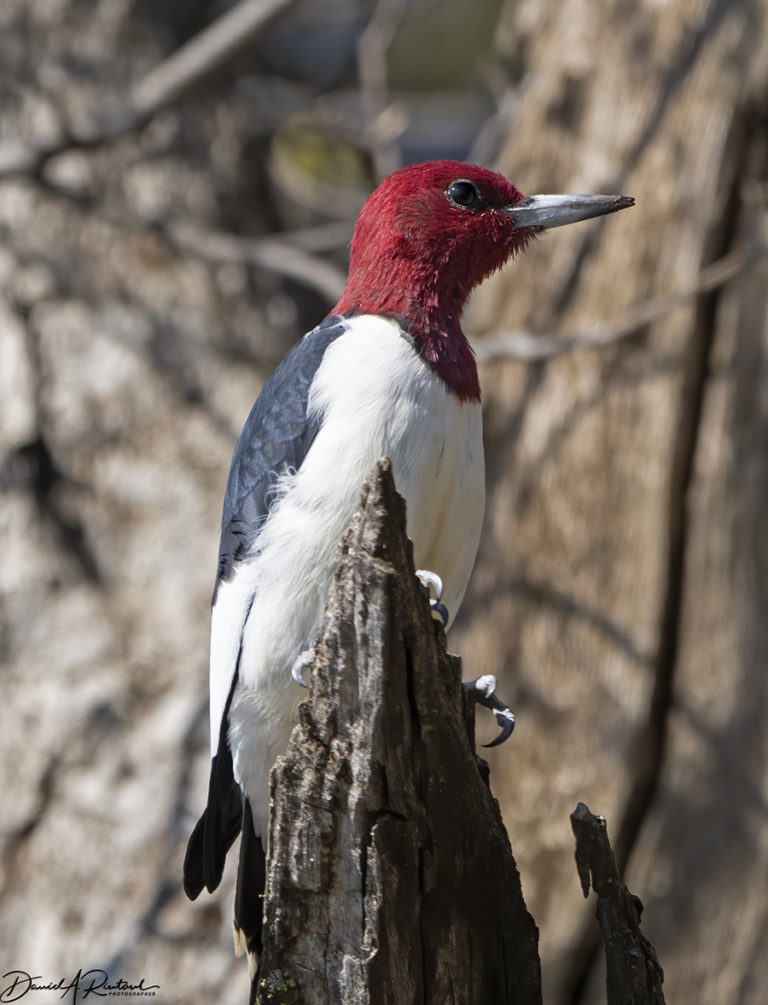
{"points": [[388, 373]]}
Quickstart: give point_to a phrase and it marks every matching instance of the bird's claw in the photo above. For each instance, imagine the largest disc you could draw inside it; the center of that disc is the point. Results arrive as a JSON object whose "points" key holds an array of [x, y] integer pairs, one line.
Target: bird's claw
{"points": [[434, 584], [481, 691], [302, 661], [440, 610]]}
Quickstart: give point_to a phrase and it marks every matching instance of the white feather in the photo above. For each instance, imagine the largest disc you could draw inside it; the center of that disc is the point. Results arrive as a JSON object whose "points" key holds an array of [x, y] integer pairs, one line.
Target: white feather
{"points": [[233, 599], [376, 397]]}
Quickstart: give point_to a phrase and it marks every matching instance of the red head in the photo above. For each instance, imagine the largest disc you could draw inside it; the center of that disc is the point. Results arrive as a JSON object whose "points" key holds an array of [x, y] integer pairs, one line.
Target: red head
{"points": [[429, 234], [426, 236]]}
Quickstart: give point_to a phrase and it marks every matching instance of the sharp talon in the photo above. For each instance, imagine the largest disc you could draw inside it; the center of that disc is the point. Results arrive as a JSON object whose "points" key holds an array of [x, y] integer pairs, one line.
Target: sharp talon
{"points": [[482, 692], [505, 717], [433, 581], [301, 662], [440, 610]]}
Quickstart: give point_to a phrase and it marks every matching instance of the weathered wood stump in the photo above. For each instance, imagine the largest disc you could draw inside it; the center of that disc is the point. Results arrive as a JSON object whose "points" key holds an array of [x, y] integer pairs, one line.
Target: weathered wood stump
{"points": [[391, 877]]}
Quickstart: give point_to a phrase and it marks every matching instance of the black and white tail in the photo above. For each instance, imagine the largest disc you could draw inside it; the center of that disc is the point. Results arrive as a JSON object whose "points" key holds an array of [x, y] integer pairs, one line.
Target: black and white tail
{"points": [[218, 827], [249, 894], [228, 814]]}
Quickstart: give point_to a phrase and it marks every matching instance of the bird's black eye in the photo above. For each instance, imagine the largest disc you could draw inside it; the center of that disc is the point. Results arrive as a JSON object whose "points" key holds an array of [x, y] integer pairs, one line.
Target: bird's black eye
{"points": [[463, 193]]}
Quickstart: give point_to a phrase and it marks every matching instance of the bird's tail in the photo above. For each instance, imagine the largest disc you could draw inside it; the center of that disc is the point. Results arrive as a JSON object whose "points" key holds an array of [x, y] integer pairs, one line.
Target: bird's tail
{"points": [[249, 893], [215, 831]]}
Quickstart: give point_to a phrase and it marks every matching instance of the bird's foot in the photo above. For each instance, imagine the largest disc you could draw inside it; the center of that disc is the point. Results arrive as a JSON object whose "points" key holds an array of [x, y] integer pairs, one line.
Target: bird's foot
{"points": [[481, 691], [435, 585], [300, 664]]}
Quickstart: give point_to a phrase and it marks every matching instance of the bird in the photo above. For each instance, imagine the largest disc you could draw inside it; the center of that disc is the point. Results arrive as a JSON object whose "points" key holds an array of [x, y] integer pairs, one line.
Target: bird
{"points": [[389, 372]]}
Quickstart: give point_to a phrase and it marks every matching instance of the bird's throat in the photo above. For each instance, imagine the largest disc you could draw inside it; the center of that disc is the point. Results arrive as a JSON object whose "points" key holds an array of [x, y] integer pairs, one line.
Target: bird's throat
{"points": [[429, 313]]}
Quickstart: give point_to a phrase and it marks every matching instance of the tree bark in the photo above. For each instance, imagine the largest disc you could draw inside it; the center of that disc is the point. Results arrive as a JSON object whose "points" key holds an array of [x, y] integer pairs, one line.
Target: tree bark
{"points": [[391, 876]]}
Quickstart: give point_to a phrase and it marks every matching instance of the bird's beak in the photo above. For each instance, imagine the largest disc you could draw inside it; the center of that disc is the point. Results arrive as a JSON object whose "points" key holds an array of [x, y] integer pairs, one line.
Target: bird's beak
{"points": [[543, 211]]}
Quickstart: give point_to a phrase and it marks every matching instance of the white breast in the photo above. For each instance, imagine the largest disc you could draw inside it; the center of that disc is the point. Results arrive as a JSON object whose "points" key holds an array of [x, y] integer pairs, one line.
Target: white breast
{"points": [[375, 397]]}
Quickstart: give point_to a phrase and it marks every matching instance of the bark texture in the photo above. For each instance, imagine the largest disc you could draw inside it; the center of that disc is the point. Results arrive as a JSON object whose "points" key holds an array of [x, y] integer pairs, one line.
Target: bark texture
{"points": [[391, 876]]}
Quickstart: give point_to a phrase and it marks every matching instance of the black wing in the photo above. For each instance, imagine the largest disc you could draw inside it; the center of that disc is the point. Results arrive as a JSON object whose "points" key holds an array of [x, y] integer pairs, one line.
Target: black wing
{"points": [[275, 439]]}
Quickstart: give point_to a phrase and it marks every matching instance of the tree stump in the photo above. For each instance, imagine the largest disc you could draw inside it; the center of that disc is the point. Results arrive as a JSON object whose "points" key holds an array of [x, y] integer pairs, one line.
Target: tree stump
{"points": [[391, 877]]}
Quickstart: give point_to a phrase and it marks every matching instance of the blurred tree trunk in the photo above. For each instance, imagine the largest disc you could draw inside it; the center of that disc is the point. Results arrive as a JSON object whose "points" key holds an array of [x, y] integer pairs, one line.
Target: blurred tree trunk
{"points": [[621, 583]]}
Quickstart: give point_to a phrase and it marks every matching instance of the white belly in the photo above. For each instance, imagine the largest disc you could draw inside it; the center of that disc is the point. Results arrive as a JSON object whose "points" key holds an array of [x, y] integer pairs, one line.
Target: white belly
{"points": [[434, 442]]}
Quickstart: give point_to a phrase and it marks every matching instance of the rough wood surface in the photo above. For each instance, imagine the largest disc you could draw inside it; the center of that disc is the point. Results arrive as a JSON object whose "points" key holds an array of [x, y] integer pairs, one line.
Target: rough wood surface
{"points": [[391, 877]]}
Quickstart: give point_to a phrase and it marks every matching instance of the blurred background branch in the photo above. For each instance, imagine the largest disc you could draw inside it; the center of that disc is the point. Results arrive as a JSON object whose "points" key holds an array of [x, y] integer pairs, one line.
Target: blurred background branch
{"points": [[170, 80], [285, 256], [383, 119], [528, 347]]}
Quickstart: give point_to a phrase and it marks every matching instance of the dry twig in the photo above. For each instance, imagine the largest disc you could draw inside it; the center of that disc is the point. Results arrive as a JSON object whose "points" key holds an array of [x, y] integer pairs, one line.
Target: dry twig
{"points": [[634, 976], [271, 253]]}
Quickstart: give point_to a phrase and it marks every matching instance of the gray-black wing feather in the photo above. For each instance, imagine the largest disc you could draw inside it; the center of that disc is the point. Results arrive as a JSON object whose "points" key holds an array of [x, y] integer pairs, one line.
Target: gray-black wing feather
{"points": [[275, 439]]}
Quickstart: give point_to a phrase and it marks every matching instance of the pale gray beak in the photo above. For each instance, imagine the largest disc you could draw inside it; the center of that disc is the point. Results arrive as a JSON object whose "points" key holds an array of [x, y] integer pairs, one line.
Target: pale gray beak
{"points": [[544, 211]]}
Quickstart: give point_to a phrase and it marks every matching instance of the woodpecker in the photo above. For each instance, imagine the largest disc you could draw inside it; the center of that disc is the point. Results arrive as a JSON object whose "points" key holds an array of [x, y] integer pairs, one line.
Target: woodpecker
{"points": [[388, 373]]}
